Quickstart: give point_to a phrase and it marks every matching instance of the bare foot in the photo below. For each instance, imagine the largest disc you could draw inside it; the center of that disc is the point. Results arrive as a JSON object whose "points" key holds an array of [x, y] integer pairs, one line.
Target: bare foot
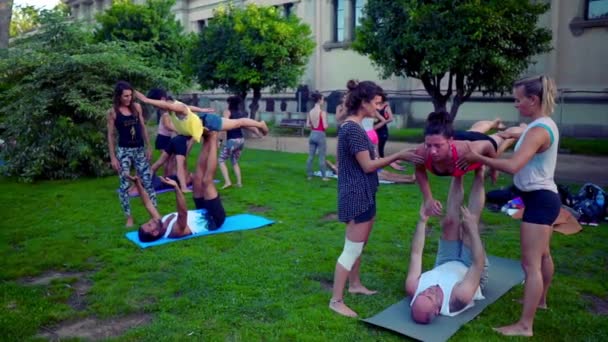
{"points": [[325, 179], [264, 128], [341, 308], [186, 190], [499, 125], [516, 329], [542, 305], [227, 185], [361, 290], [129, 222]]}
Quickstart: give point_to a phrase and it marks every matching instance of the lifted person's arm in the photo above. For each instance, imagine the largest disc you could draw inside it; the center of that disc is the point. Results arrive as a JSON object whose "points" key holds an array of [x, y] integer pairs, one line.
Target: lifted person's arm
{"points": [[145, 198], [415, 268], [181, 226]]}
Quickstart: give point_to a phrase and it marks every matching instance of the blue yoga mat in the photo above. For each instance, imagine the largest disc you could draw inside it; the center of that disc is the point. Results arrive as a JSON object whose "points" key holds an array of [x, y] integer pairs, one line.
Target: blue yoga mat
{"points": [[232, 224]]}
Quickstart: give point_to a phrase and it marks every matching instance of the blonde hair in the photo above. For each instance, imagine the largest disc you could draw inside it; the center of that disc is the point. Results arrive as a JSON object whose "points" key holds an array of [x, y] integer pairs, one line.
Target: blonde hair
{"points": [[541, 86]]}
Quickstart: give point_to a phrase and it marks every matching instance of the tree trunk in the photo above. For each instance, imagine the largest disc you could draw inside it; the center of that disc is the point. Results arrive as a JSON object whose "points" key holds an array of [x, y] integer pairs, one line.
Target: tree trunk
{"points": [[243, 95], [6, 11], [254, 106], [455, 105]]}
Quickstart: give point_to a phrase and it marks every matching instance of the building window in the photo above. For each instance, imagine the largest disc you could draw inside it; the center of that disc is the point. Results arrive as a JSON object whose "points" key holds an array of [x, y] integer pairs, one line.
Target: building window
{"points": [[358, 11], [201, 25], [596, 9], [340, 8], [287, 9]]}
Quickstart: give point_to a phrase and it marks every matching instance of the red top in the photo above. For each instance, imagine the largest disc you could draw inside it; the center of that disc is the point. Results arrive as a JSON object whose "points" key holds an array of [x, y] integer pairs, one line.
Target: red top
{"points": [[320, 127], [457, 172]]}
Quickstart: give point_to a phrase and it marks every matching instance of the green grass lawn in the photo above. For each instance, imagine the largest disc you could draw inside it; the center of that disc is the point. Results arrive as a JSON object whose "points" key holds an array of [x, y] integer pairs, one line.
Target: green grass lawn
{"points": [[267, 284]]}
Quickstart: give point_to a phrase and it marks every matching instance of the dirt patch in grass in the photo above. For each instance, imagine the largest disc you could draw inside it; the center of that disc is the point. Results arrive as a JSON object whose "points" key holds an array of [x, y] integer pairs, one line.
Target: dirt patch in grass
{"points": [[78, 299], [258, 209], [95, 329], [330, 217], [599, 306], [81, 287], [47, 277]]}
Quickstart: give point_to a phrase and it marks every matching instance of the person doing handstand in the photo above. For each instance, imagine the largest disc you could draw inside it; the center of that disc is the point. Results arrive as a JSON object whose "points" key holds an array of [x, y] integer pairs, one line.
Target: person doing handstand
{"points": [[460, 270]]}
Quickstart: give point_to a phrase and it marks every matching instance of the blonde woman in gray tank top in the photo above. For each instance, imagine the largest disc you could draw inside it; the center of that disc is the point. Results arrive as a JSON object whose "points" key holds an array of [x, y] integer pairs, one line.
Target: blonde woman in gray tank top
{"points": [[533, 167]]}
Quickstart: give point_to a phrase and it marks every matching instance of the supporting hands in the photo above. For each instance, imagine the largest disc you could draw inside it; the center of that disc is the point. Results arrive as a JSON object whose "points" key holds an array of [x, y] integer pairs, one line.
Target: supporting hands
{"points": [[467, 158], [169, 182], [433, 207], [411, 156], [469, 221]]}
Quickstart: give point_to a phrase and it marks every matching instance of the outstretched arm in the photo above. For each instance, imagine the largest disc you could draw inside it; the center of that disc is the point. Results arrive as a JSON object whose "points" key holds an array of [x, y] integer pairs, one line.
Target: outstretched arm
{"points": [[180, 204], [201, 110], [432, 206], [371, 165], [535, 140], [170, 106], [464, 291], [415, 269], [145, 198]]}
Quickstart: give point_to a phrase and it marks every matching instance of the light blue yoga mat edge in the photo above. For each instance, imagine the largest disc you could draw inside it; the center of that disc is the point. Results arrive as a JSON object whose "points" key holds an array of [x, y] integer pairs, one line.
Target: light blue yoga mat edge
{"points": [[239, 222]]}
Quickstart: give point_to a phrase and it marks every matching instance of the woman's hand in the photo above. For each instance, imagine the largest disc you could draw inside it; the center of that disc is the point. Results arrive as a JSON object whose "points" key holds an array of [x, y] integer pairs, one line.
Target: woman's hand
{"points": [[169, 182], [433, 208], [468, 157]]}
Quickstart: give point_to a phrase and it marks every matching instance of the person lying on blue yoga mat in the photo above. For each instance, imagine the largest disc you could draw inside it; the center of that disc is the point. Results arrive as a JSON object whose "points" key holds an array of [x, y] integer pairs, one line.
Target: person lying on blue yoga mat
{"points": [[460, 271], [186, 222]]}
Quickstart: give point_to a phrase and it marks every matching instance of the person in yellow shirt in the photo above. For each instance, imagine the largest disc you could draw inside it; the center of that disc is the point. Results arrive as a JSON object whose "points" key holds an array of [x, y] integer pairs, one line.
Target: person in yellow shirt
{"points": [[190, 126], [187, 123]]}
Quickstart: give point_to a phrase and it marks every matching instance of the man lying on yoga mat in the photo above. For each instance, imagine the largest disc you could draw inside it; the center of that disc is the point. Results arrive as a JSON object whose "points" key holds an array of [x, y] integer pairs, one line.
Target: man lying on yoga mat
{"points": [[186, 222], [460, 271]]}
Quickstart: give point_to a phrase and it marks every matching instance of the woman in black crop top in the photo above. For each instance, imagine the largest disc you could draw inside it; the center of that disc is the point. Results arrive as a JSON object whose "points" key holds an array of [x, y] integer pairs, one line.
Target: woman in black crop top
{"points": [[125, 118]]}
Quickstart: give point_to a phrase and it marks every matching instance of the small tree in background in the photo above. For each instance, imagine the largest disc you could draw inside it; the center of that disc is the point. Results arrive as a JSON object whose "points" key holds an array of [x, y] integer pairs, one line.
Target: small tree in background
{"points": [[479, 46], [152, 23], [55, 89], [252, 48]]}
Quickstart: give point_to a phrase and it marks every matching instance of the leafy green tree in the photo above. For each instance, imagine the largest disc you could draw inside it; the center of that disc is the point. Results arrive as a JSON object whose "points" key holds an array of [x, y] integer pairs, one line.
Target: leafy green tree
{"points": [[252, 48], [151, 22], [55, 89], [478, 45], [25, 19]]}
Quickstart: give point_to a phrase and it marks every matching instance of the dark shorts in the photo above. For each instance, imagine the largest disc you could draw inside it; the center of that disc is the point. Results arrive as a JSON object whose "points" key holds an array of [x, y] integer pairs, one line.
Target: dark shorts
{"points": [[211, 122], [178, 145], [541, 206], [216, 215], [474, 136], [366, 215], [162, 142]]}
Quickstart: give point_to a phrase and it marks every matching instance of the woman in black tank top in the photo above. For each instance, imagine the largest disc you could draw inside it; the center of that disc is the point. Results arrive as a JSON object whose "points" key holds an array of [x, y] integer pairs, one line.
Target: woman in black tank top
{"points": [[125, 119]]}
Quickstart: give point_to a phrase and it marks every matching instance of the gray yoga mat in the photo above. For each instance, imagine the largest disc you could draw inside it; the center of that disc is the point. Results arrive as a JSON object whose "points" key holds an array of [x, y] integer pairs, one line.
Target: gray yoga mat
{"points": [[503, 274]]}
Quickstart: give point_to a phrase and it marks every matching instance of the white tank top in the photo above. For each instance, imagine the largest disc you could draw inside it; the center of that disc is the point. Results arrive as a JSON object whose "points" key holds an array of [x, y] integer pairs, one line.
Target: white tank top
{"points": [[446, 275], [196, 222], [367, 124], [538, 173]]}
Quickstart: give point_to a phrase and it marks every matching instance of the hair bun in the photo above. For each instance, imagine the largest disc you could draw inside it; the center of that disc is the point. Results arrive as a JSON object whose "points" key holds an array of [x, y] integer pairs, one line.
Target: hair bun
{"points": [[352, 84]]}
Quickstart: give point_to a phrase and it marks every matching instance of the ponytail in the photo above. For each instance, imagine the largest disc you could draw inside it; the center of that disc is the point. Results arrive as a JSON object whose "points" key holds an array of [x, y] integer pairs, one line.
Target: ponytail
{"points": [[549, 94], [541, 86]]}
